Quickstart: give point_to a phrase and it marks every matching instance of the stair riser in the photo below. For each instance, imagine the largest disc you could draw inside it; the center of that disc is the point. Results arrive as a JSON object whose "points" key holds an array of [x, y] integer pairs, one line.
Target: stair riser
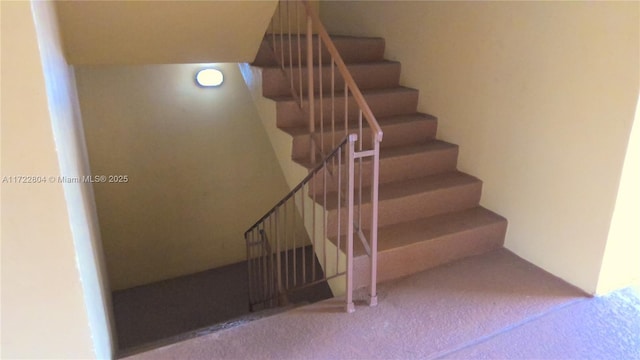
{"points": [[397, 210], [411, 133], [289, 114], [277, 82], [351, 50], [402, 261], [393, 169]]}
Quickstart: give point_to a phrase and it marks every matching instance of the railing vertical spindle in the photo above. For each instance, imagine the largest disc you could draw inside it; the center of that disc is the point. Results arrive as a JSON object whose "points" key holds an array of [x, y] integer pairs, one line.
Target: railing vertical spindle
{"points": [[339, 212], [272, 275], [265, 291], [346, 109], [256, 267], [333, 105], [312, 124], [281, 34], [273, 33], [278, 255], [247, 239], [320, 94], [295, 224], [286, 247], [313, 227], [324, 221], [299, 50], [304, 265], [373, 296], [290, 49], [360, 141], [350, 152]]}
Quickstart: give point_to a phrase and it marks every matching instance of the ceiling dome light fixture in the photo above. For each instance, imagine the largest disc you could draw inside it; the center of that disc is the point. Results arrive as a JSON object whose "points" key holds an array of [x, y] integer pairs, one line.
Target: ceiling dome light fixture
{"points": [[209, 77]]}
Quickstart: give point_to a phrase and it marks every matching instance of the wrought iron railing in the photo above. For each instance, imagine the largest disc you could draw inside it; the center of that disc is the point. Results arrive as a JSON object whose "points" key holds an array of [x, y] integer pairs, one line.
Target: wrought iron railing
{"points": [[336, 185]]}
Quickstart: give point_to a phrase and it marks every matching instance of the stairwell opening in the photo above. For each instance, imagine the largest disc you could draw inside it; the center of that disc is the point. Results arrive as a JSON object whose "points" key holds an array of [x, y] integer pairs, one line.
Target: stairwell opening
{"points": [[199, 171]]}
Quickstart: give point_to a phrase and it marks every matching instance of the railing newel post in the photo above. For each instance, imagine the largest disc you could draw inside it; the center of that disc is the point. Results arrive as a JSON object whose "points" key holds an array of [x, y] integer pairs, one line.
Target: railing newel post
{"points": [[373, 295], [350, 185]]}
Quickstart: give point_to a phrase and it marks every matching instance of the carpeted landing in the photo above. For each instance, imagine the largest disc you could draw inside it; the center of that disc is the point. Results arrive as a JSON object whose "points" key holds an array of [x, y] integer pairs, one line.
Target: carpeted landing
{"points": [[492, 306]]}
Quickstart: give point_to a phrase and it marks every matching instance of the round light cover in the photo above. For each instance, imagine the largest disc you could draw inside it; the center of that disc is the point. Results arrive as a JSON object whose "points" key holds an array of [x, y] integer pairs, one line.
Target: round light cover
{"points": [[209, 77]]}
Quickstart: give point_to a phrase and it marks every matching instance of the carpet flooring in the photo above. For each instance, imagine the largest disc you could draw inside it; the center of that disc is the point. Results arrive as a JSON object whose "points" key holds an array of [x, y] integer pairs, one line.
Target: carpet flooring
{"points": [[168, 308], [173, 310], [492, 306]]}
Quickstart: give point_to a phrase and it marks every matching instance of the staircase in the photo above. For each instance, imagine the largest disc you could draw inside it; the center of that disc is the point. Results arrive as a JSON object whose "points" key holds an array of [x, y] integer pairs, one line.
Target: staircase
{"points": [[429, 212]]}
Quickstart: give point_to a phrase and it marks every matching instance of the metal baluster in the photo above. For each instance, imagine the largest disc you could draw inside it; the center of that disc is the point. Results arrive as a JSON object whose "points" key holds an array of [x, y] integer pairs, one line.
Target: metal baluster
{"points": [[339, 210], [264, 266], [299, 50], [295, 224], [247, 238], [320, 93], [313, 226], [333, 105], [290, 50], [278, 254], [346, 109], [281, 35], [304, 267], [312, 124], [273, 33], [360, 171], [286, 246], [324, 219], [349, 306], [270, 262], [373, 296]]}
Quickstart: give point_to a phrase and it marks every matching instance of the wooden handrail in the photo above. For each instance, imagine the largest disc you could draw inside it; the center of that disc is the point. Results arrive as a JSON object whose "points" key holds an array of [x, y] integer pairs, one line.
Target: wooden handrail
{"points": [[346, 75]]}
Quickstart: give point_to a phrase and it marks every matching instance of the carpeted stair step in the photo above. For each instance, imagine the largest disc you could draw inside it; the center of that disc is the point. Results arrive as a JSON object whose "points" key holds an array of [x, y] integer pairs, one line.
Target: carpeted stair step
{"points": [[411, 199], [396, 164], [409, 247], [371, 75], [383, 102], [352, 50], [399, 130]]}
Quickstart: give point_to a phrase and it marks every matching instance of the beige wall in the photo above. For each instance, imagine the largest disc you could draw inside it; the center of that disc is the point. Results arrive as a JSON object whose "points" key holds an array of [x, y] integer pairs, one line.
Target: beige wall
{"points": [[44, 314], [162, 32], [540, 96], [621, 263], [200, 168]]}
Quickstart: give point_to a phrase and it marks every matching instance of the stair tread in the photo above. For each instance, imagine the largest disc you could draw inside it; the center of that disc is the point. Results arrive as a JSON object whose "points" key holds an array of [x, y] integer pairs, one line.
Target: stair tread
{"points": [[432, 145], [396, 89], [384, 62], [399, 151], [408, 187], [383, 121], [429, 228]]}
